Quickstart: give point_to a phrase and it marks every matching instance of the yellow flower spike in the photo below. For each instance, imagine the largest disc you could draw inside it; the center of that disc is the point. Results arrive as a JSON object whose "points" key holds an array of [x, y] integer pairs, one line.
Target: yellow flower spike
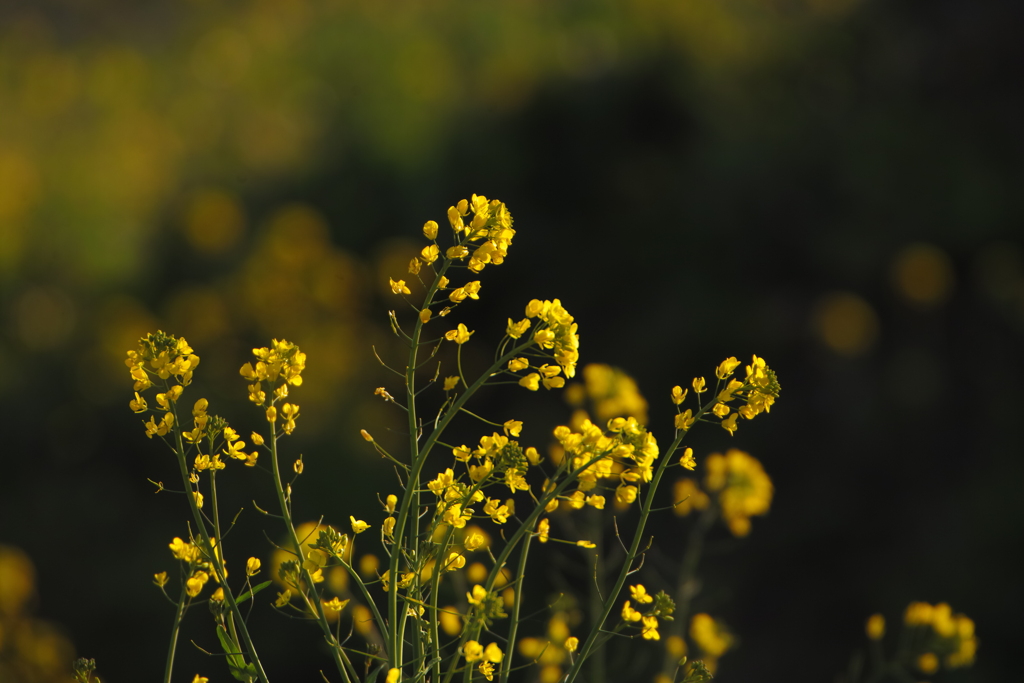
{"points": [[160, 579], [252, 566], [358, 525], [399, 287], [513, 427], [875, 627], [531, 381], [543, 530], [518, 364], [698, 385], [460, 335], [451, 382]]}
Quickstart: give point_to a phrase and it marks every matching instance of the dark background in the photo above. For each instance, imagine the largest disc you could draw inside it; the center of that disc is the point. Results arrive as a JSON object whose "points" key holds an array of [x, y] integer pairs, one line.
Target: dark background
{"points": [[834, 186]]}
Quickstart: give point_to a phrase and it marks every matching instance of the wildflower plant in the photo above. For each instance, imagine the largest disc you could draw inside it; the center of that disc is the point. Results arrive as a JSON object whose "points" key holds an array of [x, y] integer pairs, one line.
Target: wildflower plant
{"points": [[464, 516]]}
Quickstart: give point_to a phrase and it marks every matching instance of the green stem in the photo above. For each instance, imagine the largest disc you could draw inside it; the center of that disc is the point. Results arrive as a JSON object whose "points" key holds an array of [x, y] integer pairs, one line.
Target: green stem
{"points": [[179, 613], [314, 605], [506, 665], [215, 557]]}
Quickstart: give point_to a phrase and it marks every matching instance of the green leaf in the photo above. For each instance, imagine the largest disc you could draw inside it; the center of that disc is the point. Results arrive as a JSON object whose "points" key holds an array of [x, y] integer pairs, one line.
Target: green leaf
{"points": [[249, 593], [240, 671]]}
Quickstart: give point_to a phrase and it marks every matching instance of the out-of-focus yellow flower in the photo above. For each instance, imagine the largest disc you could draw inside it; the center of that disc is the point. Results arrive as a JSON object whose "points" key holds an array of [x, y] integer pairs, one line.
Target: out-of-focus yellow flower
{"points": [[875, 627]]}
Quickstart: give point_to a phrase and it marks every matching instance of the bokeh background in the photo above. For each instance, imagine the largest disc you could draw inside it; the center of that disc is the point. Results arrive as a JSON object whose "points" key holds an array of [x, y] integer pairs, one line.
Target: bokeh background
{"points": [[834, 185]]}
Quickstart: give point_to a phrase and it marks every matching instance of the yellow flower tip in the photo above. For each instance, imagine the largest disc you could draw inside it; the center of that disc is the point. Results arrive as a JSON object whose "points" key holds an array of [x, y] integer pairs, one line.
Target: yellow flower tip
{"points": [[366, 435], [390, 503], [640, 594], [252, 566], [425, 315], [394, 675], [875, 627], [160, 579], [358, 525], [572, 643], [451, 382]]}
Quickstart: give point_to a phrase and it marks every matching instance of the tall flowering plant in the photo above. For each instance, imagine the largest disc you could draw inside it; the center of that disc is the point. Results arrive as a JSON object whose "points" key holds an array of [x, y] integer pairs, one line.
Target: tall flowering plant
{"points": [[492, 500]]}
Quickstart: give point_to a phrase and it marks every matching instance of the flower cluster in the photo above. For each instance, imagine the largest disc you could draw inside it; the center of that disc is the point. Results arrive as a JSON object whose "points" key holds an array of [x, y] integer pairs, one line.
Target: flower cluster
{"points": [[161, 355], [742, 488], [938, 637], [647, 617], [759, 389]]}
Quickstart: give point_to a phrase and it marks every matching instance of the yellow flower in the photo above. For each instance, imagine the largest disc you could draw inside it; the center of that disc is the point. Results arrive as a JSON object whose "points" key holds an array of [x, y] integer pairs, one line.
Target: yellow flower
{"points": [[335, 605], [727, 367], [218, 595], [200, 679], [138, 405], [283, 599], [710, 636], [366, 435], [517, 330], [729, 423], [389, 526], [543, 529], [493, 653], [194, 585], [430, 232], [451, 382], [928, 663], [474, 541], [650, 628], [454, 561], [358, 525], [596, 501], [678, 395], [586, 544], [460, 335], [531, 381], [698, 385], [473, 651], [394, 675], [390, 502], [457, 252], [630, 614], [399, 287], [626, 494], [875, 627], [486, 670], [513, 427], [687, 460], [572, 643], [640, 594], [517, 364], [271, 414], [430, 253], [160, 579], [684, 420]]}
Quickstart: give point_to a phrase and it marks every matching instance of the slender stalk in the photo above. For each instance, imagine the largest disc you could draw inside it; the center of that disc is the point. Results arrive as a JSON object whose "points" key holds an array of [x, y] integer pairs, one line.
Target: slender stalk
{"points": [[175, 630], [506, 664], [215, 559], [315, 605]]}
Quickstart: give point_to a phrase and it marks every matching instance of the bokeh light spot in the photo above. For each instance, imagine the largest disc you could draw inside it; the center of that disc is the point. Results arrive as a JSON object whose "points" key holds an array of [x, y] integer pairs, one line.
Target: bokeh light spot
{"points": [[214, 221], [846, 323], [923, 275]]}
